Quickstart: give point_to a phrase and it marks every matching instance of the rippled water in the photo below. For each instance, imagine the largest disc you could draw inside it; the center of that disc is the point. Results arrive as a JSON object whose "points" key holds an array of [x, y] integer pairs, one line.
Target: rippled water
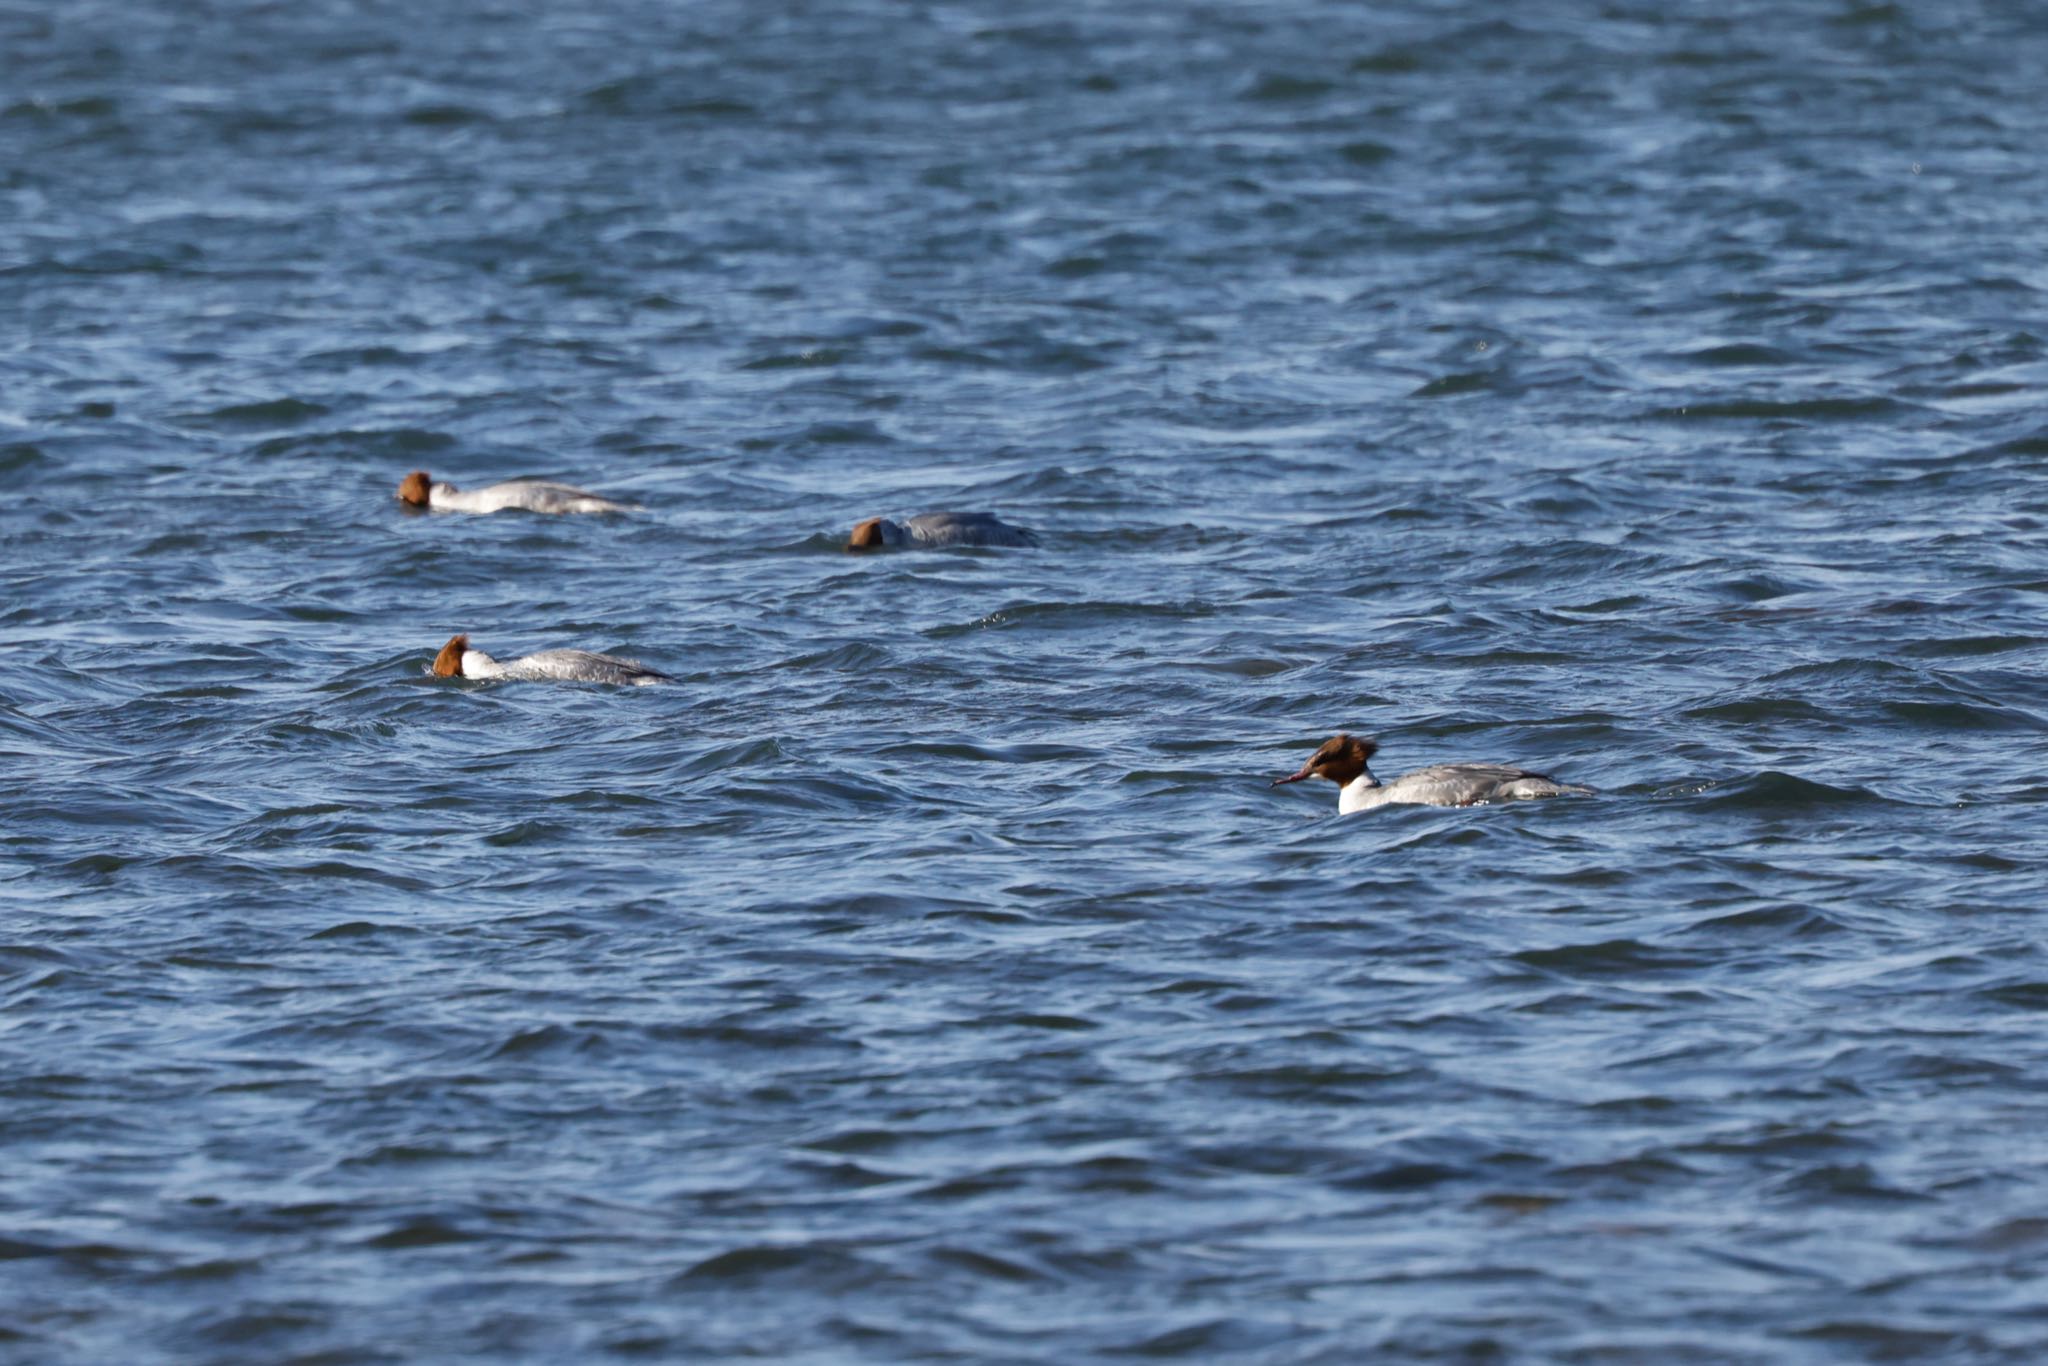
{"points": [[1653, 399]]}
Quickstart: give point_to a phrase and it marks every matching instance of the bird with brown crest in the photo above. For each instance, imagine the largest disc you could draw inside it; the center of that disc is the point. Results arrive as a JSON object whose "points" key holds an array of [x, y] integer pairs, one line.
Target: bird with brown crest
{"points": [[1345, 760], [526, 495], [457, 660], [934, 530]]}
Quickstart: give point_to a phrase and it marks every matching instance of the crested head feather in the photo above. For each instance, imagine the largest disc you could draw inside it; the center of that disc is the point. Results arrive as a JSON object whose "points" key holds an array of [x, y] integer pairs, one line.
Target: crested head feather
{"points": [[413, 488], [1342, 757], [448, 663]]}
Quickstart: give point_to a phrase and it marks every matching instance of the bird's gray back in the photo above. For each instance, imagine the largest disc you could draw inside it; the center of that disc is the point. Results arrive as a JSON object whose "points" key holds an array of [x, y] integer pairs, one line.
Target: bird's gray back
{"points": [[966, 528]]}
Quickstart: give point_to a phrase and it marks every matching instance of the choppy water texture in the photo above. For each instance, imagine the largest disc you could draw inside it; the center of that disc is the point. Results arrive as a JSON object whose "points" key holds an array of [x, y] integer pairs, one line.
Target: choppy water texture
{"points": [[1653, 399]]}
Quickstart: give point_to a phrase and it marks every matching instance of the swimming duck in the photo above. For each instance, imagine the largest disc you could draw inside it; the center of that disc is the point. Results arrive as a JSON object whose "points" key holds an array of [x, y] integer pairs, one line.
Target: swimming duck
{"points": [[528, 495], [932, 529], [1342, 759], [457, 660]]}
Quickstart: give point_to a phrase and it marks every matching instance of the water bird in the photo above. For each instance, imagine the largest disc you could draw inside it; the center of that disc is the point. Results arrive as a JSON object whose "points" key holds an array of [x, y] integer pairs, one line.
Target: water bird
{"points": [[527, 495], [457, 660], [1343, 759], [932, 529]]}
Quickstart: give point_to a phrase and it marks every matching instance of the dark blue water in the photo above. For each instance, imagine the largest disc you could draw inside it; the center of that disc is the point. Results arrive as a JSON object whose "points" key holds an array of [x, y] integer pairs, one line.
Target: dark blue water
{"points": [[1652, 398]]}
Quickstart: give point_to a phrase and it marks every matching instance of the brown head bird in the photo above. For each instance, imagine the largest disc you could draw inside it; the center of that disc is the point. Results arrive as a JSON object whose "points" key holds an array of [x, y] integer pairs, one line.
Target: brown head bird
{"points": [[1340, 758], [448, 664], [873, 534]]}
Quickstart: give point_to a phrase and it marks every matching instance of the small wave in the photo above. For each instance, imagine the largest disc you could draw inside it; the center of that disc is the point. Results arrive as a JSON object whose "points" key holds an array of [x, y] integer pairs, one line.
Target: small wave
{"points": [[342, 871], [2029, 996], [1608, 956], [1388, 61], [1756, 711], [1779, 793], [1458, 385], [853, 657], [175, 260], [1279, 87], [361, 929], [1970, 647], [19, 455], [348, 357], [782, 1264], [82, 107], [280, 412], [986, 1264], [1795, 410], [1966, 716], [805, 358], [370, 444], [1365, 153], [1739, 355], [423, 1231], [444, 115], [1029, 353], [2034, 444], [1836, 674], [545, 833], [1069, 616], [821, 434], [1777, 922], [677, 94], [1053, 484], [817, 792]]}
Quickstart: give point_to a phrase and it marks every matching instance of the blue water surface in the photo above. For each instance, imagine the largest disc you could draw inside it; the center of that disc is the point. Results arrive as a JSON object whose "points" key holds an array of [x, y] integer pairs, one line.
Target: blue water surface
{"points": [[1648, 394]]}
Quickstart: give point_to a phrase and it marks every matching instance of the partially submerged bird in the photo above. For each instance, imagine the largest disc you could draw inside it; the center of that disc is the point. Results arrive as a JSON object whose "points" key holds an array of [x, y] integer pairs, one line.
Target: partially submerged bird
{"points": [[457, 660], [528, 495], [1342, 759], [932, 529]]}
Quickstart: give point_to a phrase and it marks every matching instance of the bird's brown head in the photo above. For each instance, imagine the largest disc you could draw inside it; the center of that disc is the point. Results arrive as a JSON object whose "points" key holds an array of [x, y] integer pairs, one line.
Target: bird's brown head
{"points": [[413, 489], [448, 664], [867, 536], [1339, 758]]}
